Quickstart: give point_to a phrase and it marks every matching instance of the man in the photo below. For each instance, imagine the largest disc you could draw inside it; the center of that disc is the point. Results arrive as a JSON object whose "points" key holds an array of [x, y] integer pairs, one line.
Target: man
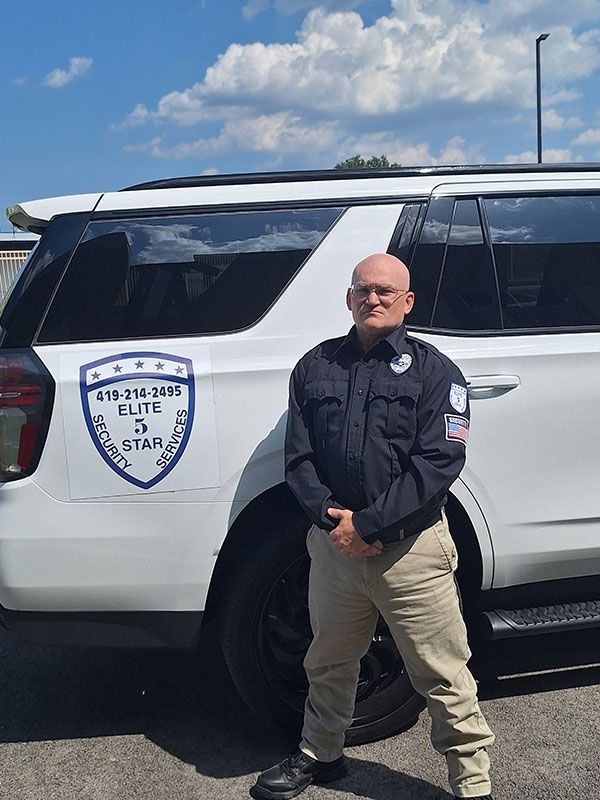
{"points": [[377, 430]]}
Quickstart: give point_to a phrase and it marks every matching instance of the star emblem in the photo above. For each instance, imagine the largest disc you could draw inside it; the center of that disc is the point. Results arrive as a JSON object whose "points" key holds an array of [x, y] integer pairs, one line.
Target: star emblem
{"points": [[160, 365], [95, 376], [139, 364], [118, 368], [179, 371]]}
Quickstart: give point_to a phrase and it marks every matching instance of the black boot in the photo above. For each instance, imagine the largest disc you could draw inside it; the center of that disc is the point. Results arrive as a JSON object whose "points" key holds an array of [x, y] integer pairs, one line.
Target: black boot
{"points": [[294, 774]]}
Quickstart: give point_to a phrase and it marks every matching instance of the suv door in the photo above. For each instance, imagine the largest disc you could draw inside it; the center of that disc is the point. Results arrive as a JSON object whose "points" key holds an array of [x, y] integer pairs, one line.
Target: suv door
{"points": [[511, 277]]}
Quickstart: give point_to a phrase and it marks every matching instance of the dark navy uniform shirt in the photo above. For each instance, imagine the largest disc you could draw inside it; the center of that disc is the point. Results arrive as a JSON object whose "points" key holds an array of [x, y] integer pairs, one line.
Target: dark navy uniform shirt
{"points": [[381, 433]]}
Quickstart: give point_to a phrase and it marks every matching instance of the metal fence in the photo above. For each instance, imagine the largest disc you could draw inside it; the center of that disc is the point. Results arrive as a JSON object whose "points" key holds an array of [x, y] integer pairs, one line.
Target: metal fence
{"points": [[10, 262]]}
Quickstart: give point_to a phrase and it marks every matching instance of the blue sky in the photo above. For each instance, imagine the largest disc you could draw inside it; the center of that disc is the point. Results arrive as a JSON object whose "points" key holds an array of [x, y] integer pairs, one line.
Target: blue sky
{"points": [[97, 96]]}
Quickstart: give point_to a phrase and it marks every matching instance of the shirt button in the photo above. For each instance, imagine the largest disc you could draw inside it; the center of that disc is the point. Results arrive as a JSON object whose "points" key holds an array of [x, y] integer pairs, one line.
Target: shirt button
{"points": [[355, 424], [321, 394], [360, 391], [393, 393]]}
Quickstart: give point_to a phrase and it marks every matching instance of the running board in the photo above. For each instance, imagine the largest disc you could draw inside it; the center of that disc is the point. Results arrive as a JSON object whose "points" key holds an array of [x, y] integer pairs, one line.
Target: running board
{"points": [[503, 623]]}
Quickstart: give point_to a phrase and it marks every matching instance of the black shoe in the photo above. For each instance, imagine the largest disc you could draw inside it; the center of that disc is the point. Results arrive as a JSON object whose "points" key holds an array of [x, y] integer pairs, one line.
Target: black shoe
{"points": [[294, 774]]}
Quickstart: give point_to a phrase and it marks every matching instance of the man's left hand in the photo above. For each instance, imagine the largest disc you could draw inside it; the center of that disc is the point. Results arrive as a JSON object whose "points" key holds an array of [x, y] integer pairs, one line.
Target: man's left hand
{"points": [[347, 539]]}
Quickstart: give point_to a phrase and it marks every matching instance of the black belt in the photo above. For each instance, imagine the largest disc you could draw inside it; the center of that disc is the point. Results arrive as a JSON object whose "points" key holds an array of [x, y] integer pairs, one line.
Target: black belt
{"points": [[421, 524]]}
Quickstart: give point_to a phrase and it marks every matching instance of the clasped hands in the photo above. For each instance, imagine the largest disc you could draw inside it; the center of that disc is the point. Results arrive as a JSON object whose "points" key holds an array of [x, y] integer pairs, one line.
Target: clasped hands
{"points": [[347, 539]]}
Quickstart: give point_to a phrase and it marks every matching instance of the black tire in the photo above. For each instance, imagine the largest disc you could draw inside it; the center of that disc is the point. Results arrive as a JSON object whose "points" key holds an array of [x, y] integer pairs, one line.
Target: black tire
{"points": [[266, 632]]}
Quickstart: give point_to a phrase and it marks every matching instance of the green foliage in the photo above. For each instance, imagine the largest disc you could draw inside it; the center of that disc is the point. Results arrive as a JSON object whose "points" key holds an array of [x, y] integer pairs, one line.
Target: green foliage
{"points": [[358, 162]]}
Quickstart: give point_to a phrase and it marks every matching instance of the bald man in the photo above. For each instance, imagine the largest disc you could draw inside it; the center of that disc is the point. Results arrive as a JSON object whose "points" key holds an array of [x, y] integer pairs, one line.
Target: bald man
{"points": [[377, 430]]}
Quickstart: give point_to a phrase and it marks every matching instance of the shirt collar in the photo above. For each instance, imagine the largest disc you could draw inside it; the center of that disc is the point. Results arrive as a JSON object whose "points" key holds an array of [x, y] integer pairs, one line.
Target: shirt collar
{"points": [[395, 340]]}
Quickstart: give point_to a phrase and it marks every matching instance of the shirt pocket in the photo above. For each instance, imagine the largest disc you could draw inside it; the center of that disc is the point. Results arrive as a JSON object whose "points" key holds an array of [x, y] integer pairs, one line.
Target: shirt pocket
{"points": [[392, 409], [324, 401]]}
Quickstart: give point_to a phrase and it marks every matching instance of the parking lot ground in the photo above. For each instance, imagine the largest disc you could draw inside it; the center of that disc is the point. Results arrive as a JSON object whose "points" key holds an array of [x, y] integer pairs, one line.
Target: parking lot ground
{"points": [[108, 725]]}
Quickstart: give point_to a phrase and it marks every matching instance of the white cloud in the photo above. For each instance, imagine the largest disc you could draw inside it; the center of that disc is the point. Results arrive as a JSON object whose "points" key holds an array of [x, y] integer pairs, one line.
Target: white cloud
{"points": [[288, 7], [425, 52], [341, 79], [274, 133], [455, 151], [254, 7], [591, 136], [61, 77], [138, 116], [553, 121], [549, 156], [21, 80]]}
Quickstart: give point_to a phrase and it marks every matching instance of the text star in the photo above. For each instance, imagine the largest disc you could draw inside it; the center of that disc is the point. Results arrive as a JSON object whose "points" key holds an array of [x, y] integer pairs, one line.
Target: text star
{"points": [[95, 376], [139, 364], [118, 368], [160, 365], [179, 371]]}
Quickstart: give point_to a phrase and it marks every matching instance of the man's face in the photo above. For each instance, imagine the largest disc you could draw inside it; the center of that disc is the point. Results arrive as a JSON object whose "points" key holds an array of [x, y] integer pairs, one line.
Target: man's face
{"points": [[377, 316]]}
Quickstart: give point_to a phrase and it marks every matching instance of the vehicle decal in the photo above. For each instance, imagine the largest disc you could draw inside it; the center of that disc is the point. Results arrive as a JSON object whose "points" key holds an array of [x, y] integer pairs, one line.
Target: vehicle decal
{"points": [[139, 411]]}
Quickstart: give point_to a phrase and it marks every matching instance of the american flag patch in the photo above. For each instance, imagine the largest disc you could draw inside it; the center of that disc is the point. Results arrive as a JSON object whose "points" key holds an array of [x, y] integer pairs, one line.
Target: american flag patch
{"points": [[457, 428]]}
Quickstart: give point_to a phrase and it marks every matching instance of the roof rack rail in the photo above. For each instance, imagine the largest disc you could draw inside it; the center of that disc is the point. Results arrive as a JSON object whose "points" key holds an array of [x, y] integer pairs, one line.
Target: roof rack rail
{"points": [[347, 174]]}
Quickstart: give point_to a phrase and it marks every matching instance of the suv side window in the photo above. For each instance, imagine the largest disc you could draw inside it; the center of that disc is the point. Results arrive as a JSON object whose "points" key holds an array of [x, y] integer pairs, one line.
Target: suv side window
{"points": [[468, 295], [547, 254], [426, 266], [181, 275]]}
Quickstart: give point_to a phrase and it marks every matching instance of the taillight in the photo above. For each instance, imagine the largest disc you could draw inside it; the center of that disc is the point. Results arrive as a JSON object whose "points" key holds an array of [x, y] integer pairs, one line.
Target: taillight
{"points": [[26, 395]]}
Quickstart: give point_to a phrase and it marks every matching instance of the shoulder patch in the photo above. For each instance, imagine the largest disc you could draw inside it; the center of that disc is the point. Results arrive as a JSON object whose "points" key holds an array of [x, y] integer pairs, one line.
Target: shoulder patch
{"points": [[458, 397], [457, 428]]}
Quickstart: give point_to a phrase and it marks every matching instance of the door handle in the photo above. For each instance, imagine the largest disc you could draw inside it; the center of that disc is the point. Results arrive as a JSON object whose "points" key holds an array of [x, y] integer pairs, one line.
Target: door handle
{"points": [[482, 387]]}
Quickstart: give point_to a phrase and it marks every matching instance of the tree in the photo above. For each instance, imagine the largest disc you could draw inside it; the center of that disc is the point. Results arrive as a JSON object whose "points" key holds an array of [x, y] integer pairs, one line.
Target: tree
{"points": [[358, 162]]}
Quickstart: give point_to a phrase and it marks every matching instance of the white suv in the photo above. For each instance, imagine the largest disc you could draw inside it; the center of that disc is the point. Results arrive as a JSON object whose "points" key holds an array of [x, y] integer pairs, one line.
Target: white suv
{"points": [[145, 352]]}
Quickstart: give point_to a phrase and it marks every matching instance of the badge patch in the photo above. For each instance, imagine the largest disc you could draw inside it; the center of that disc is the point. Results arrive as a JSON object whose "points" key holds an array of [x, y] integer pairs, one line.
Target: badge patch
{"points": [[457, 428], [458, 397], [139, 411], [400, 364]]}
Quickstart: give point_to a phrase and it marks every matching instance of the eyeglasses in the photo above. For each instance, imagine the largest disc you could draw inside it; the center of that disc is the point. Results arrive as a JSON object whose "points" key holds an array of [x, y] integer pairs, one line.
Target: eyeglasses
{"points": [[386, 292]]}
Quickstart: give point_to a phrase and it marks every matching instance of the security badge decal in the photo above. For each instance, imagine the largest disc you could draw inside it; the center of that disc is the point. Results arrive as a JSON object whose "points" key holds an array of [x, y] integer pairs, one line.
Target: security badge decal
{"points": [[458, 397], [400, 364], [139, 411]]}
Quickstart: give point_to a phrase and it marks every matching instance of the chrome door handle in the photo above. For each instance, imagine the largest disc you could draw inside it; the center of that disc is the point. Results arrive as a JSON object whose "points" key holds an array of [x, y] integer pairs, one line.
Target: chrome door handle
{"points": [[482, 387]]}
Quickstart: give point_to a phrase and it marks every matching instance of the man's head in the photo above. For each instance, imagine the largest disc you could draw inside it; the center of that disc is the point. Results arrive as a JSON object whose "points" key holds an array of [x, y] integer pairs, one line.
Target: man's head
{"points": [[378, 312]]}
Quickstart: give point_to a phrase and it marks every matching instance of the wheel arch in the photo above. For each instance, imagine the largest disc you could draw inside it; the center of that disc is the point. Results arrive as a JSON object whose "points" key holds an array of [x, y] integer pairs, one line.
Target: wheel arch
{"points": [[269, 506]]}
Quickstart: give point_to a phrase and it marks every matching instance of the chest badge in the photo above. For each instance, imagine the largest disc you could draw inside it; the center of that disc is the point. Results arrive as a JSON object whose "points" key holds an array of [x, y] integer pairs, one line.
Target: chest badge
{"points": [[400, 364], [458, 397]]}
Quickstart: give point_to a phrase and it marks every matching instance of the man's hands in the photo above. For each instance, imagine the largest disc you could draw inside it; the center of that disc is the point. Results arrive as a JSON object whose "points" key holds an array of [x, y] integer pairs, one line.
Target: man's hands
{"points": [[347, 539]]}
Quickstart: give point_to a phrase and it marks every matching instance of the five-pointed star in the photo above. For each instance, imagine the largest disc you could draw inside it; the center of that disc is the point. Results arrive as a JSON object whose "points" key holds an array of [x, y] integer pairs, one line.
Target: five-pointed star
{"points": [[179, 371], [160, 365], [95, 376], [139, 364], [117, 368]]}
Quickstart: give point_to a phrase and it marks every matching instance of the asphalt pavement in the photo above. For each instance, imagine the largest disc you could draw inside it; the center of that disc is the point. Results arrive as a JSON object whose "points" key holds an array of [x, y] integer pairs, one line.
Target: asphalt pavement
{"points": [[110, 725]]}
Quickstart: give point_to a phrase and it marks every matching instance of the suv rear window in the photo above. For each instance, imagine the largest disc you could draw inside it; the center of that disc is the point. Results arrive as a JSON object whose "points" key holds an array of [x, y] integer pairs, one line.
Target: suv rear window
{"points": [[181, 275]]}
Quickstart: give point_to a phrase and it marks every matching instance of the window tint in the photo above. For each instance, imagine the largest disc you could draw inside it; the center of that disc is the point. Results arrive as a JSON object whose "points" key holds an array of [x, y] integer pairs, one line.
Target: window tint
{"points": [[547, 253], [427, 262], [404, 239], [468, 296], [181, 275], [25, 307]]}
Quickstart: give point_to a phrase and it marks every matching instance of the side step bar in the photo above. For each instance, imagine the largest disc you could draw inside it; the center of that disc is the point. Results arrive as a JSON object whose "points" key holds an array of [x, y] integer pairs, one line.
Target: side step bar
{"points": [[503, 623]]}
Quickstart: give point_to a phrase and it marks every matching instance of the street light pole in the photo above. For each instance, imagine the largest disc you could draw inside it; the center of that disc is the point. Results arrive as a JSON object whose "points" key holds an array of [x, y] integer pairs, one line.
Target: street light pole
{"points": [[540, 38]]}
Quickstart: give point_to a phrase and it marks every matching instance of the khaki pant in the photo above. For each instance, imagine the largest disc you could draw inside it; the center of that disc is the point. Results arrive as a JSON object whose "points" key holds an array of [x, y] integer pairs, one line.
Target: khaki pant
{"points": [[412, 584]]}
